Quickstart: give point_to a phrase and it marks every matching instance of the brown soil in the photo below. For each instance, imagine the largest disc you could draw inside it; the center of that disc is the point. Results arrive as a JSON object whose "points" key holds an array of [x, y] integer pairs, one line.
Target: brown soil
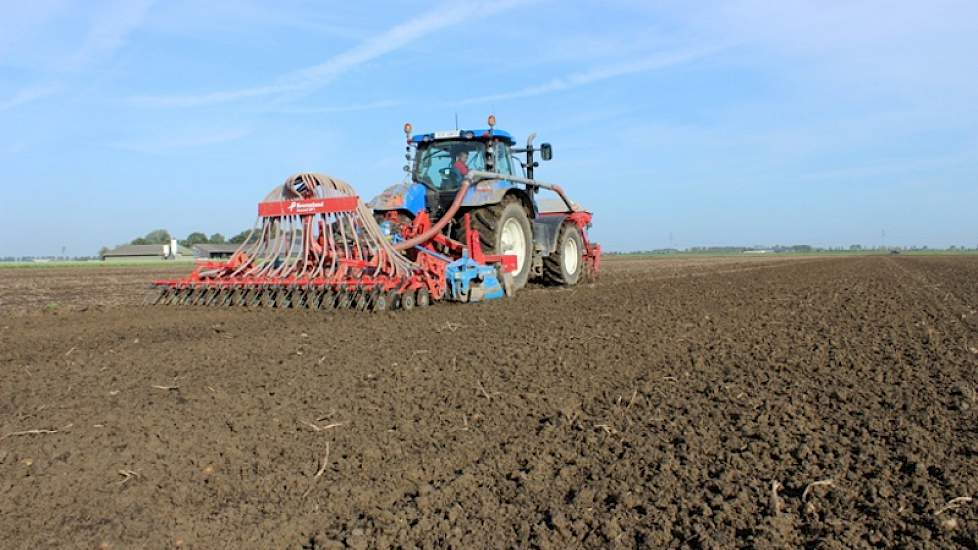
{"points": [[825, 403]]}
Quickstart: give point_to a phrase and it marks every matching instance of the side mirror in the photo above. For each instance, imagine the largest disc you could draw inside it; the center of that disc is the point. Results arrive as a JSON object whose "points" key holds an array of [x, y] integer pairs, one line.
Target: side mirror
{"points": [[546, 152]]}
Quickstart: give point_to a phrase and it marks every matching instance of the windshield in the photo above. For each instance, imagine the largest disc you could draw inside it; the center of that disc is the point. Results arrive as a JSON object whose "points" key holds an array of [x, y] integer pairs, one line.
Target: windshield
{"points": [[436, 163]]}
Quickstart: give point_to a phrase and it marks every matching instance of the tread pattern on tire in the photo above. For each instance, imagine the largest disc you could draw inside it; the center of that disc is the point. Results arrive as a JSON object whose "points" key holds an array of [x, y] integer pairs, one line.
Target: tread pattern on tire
{"points": [[553, 271], [485, 222]]}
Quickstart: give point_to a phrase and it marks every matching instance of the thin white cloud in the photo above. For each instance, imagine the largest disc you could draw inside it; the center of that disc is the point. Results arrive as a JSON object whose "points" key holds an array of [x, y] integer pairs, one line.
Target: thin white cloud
{"points": [[109, 31], [311, 78], [372, 106], [188, 141], [27, 95], [591, 76]]}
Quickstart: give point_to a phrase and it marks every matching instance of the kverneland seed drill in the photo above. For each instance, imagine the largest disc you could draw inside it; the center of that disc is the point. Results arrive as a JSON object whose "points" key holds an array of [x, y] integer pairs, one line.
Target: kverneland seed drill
{"points": [[466, 225]]}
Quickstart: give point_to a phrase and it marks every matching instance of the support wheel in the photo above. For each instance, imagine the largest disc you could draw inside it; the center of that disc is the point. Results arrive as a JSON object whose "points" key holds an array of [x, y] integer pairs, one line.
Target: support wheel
{"points": [[422, 299], [564, 266]]}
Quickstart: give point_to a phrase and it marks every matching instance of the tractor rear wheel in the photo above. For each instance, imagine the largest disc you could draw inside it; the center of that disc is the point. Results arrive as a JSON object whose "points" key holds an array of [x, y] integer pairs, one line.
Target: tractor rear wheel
{"points": [[564, 266], [504, 228]]}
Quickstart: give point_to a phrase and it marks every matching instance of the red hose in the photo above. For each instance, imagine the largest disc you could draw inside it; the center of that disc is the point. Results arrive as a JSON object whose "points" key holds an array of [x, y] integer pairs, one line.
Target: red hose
{"points": [[445, 218]]}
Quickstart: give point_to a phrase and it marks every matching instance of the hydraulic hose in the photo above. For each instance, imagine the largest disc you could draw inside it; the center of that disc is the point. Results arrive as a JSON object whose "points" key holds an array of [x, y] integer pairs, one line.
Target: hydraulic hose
{"points": [[476, 176], [441, 223]]}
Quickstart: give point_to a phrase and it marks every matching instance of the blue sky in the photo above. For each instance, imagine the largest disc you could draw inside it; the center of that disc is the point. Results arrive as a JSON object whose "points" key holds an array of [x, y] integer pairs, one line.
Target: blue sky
{"points": [[678, 123]]}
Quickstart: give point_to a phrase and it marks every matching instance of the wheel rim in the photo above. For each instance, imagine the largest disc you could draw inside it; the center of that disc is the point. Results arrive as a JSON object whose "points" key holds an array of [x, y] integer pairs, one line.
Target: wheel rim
{"points": [[572, 256], [513, 241]]}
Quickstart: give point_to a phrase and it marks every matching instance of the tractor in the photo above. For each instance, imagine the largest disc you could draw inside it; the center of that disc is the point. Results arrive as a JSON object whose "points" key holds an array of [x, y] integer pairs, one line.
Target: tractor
{"points": [[547, 237]]}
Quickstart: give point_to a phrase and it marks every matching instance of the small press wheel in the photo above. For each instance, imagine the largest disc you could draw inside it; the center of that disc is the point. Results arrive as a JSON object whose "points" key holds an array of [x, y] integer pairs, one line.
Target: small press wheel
{"points": [[407, 300], [423, 298]]}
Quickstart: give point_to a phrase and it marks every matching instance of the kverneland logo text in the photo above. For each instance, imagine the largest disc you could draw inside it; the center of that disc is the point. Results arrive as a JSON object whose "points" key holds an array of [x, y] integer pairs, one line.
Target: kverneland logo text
{"points": [[293, 206]]}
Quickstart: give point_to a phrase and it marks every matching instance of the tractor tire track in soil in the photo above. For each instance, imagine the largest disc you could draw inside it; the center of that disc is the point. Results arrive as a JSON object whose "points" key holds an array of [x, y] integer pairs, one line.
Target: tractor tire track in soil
{"points": [[824, 402]]}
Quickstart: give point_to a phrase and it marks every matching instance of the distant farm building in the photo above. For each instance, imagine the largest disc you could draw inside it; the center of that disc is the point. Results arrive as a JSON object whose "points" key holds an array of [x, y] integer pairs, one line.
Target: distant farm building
{"points": [[214, 251], [148, 252]]}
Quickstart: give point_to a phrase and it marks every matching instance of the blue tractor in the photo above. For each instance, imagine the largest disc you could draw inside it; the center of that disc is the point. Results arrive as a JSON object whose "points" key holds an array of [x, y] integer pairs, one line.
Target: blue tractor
{"points": [[548, 238]]}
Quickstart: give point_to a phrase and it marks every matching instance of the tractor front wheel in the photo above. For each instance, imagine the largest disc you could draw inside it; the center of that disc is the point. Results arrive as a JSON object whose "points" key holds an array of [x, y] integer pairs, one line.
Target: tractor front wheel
{"points": [[504, 228]]}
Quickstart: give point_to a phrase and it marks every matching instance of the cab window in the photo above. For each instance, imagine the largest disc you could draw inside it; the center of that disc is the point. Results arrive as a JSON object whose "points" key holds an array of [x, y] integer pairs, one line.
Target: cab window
{"points": [[435, 163], [504, 164]]}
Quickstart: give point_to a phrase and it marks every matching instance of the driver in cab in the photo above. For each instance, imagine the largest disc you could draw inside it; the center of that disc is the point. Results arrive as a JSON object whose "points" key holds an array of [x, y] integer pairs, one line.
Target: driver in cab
{"points": [[461, 164]]}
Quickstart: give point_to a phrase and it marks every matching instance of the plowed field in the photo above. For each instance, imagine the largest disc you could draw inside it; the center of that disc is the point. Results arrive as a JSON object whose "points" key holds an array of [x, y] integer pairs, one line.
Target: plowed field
{"points": [[820, 402]]}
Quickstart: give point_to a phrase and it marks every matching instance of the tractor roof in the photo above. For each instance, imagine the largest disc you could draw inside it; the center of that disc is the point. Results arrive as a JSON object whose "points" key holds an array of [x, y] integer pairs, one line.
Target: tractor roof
{"points": [[463, 134]]}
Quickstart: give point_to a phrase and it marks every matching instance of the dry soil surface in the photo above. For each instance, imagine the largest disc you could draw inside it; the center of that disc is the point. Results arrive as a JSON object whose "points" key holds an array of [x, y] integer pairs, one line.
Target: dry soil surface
{"points": [[824, 403]]}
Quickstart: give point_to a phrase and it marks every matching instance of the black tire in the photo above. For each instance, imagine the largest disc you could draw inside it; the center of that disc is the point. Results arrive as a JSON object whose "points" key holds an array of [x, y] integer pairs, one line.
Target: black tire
{"points": [[422, 298], [557, 268], [489, 222], [407, 300]]}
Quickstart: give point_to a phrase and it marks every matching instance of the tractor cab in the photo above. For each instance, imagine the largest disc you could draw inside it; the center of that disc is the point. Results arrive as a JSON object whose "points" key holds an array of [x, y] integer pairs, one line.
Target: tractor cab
{"points": [[443, 158], [440, 160]]}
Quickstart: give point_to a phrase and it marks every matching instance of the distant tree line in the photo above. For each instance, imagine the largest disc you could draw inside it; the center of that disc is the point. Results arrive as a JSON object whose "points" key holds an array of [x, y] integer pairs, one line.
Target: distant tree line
{"points": [[162, 236]]}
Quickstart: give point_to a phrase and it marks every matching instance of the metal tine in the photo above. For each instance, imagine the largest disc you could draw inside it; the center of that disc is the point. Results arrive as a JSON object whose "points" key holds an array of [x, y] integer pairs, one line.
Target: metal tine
{"points": [[186, 296], [163, 296], [196, 296], [284, 298], [210, 297], [153, 296], [344, 300], [328, 299], [247, 296], [228, 299], [269, 297], [206, 296], [367, 299], [312, 297], [257, 297], [175, 297]]}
